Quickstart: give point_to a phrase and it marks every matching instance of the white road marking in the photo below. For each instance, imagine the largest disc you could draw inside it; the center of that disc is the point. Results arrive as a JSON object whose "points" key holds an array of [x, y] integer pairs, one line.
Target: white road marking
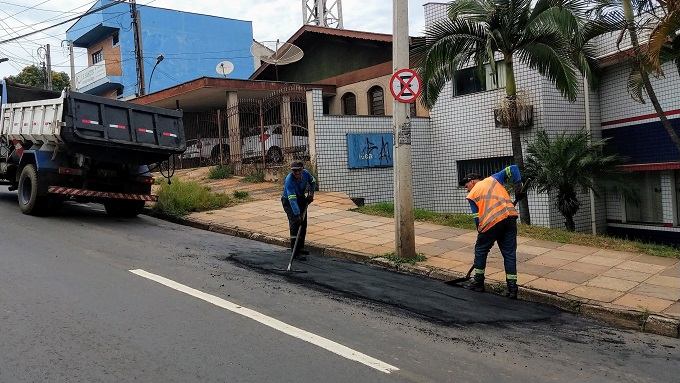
{"points": [[276, 324]]}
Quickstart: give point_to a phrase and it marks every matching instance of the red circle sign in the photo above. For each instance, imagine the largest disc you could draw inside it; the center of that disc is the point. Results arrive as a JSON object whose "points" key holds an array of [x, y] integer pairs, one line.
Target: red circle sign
{"points": [[405, 85]]}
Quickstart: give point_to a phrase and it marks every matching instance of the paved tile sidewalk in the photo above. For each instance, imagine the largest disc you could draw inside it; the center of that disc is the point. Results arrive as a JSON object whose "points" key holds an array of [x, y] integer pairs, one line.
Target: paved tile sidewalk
{"points": [[606, 278]]}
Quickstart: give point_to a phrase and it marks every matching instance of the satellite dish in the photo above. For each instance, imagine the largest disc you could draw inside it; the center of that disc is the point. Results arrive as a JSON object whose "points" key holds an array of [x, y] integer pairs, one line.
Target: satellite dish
{"points": [[224, 68], [276, 52]]}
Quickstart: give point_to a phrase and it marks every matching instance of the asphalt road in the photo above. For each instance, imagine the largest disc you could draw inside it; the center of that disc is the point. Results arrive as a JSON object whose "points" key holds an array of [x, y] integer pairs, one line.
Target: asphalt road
{"points": [[88, 298]]}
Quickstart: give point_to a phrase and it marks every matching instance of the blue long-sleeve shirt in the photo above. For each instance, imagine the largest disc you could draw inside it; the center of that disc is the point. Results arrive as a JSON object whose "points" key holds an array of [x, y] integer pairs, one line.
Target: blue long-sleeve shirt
{"points": [[509, 173], [292, 189]]}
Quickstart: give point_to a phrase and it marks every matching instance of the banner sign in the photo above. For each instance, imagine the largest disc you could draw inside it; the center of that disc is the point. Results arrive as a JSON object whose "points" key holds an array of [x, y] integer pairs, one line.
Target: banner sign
{"points": [[369, 150]]}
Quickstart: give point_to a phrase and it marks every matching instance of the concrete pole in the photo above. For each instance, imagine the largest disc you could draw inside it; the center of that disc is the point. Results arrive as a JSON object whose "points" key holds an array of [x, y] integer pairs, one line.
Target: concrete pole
{"points": [[48, 58], [403, 173], [73, 67], [586, 95]]}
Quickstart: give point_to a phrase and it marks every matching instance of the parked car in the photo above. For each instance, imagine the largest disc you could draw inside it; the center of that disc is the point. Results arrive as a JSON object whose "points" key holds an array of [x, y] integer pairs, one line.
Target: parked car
{"points": [[251, 145], [207, 150]]}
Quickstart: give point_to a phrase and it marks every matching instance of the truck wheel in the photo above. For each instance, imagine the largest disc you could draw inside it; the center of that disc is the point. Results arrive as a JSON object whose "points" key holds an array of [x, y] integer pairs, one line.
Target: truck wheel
{"points": [[29, 201], [124, 208]]}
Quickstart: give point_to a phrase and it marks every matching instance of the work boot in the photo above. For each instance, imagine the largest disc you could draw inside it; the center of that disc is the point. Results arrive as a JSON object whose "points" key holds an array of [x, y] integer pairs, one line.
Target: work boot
{"points": [[304, 252], [512, 289], [477, 284]]}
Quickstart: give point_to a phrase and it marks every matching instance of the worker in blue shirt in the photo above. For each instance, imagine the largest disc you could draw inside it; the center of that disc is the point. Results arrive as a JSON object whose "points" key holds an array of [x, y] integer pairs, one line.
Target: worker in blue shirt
{"points": [[496, 220], [295, 205]]}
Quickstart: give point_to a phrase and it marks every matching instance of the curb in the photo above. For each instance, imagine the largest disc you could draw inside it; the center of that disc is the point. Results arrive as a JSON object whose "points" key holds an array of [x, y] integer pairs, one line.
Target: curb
{"points": [[631, 319]]}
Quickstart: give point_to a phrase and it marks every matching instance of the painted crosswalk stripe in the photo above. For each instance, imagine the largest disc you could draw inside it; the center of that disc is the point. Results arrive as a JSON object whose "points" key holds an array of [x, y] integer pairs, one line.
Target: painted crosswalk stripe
{"points": [[276, 324]]}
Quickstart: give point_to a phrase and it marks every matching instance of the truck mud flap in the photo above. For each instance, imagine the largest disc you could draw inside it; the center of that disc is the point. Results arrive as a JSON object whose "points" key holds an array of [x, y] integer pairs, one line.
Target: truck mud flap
{"points": [[100, 194]]}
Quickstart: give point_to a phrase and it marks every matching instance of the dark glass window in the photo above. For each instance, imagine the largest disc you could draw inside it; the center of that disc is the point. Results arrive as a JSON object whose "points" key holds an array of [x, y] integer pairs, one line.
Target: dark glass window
{"points": [[97, 57], [412, 108], [483, 166], [467, 81], [349, 104], [376, 101]]}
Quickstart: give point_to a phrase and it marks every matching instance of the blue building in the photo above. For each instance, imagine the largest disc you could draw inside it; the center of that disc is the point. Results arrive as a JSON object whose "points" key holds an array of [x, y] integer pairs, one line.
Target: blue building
{"points": [[191, 45]]}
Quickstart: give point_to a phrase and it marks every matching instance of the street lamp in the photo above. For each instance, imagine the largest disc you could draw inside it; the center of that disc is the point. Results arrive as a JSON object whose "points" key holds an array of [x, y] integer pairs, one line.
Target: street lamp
{"points": [[3, 59], [158, 60]]}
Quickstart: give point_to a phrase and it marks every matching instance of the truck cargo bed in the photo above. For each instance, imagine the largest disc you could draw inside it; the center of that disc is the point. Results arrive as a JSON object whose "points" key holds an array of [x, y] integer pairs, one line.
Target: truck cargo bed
{"points": [[101, 128]]}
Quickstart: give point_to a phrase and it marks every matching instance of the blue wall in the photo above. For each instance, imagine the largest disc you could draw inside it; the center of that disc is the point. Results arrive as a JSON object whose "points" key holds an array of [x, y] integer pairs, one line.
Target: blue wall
{"points": [[644, 143], [192, 44]]}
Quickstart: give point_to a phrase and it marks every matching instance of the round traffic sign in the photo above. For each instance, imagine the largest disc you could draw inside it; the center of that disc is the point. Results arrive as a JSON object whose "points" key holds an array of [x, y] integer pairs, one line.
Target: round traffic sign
{"points": [[405, 85]]}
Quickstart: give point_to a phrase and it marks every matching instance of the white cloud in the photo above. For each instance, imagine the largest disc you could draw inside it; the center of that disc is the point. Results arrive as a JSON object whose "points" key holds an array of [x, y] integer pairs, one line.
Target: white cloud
{"points": [[272, 20]]}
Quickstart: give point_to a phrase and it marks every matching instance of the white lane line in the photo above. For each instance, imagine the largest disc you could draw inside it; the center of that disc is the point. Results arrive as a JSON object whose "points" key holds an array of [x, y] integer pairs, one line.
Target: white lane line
{"points": [[276, 324]]}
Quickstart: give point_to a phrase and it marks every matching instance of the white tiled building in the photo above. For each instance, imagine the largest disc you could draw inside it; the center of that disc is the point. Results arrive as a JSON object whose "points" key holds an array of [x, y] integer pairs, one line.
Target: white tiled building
{"points": [[461, 135]]}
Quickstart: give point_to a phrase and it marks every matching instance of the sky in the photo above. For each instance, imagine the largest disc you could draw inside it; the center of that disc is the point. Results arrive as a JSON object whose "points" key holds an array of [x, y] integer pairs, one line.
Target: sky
{"points": [[272, 20]]}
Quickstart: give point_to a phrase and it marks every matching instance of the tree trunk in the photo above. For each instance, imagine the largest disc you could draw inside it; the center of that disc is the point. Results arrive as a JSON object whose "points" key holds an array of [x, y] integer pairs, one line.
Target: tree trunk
{"points": [[569, 222], [517, 154], [628, 13]]}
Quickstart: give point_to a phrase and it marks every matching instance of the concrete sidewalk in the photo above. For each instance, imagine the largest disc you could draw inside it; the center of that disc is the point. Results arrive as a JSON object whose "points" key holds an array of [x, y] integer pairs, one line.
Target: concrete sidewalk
{"points": [[627, 289]]}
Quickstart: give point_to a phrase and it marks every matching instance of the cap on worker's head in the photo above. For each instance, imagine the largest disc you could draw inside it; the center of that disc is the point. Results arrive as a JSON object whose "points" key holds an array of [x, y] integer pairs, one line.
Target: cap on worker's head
{"points": [[295, 165], [469, 177]]}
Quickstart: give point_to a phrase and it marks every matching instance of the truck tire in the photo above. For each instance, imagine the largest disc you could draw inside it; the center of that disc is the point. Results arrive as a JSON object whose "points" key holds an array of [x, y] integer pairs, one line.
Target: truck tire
{"points": [[29, 201], [123, 208]]}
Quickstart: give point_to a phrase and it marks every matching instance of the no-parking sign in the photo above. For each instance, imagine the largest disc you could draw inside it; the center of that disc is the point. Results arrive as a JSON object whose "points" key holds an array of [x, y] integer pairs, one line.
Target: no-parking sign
{"points": [[405, 85]]}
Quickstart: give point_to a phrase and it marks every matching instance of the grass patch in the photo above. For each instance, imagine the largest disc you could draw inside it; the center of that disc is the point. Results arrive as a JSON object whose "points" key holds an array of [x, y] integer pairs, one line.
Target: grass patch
{"points": [[255, 176], [241, 194], [420, 257], [465, 221], [183, 197], [386, 209], [220, 172]]}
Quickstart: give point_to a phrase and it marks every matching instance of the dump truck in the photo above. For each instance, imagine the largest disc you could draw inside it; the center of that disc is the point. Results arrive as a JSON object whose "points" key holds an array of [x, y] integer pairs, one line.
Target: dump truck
{"points": [[59, 146]]}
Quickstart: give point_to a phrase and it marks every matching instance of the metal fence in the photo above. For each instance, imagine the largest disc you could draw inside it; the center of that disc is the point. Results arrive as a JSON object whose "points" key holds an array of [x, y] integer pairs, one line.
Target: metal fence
{"points": [[251, 134]]}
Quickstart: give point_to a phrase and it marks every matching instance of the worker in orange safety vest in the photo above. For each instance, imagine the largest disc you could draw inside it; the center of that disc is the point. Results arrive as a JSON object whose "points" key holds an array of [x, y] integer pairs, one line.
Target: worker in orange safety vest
{"points": [[496, 220]]}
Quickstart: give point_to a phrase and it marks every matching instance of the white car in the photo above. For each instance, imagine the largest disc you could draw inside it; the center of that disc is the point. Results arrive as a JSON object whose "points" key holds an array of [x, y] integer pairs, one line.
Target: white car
{"points": [[207, 150], [251, 145]]}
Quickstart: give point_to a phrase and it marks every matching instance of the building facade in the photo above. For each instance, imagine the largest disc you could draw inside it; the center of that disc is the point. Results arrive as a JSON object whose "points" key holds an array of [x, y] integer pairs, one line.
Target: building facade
{"points": [[191, 45]]}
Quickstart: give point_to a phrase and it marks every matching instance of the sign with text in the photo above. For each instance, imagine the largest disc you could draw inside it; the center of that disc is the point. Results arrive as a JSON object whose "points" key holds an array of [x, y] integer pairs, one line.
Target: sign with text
{"points": [[90, 75], [369, 150]]}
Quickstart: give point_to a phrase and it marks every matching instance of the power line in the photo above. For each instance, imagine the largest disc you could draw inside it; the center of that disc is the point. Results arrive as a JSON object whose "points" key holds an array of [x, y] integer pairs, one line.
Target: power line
{"points": [[64, 22]]}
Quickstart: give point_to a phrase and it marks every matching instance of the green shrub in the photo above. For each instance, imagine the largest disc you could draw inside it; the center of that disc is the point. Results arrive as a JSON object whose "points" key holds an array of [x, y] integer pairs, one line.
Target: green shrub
{"points": [[254, 176], [220, 172], [183, 197], [241, 194]]}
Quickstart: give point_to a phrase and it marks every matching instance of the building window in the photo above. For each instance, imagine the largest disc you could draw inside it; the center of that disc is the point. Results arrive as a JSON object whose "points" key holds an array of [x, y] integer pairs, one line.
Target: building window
{"points": [[97, 57], [376, 101], [115, 39], [649, 209], [349, 104], [467, 81], [483, 166]]}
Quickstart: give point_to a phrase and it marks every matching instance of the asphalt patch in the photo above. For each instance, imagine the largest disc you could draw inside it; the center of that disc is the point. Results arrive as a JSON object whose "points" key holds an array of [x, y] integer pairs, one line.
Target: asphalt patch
{"points": [[424, 296]]}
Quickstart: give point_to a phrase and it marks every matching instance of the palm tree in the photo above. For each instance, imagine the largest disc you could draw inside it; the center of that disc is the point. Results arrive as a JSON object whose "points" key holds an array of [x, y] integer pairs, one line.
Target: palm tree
{"points": [[664, 41], [617, 11], [546, 37], [570, 162]]}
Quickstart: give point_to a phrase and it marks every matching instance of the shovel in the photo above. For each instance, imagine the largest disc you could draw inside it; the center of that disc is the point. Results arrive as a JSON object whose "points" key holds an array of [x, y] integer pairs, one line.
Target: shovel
{"points": [[292, 253]]}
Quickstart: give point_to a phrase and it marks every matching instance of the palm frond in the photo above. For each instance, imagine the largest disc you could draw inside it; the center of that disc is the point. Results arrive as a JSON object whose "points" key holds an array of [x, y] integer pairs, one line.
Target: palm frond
{"points": [[635, 86], [549, 55]]}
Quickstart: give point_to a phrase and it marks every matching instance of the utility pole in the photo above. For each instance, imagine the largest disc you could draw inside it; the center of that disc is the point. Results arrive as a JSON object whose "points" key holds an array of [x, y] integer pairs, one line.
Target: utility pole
{"points": [[139, 56], [49, 67], [73, 66], [404, 232]]}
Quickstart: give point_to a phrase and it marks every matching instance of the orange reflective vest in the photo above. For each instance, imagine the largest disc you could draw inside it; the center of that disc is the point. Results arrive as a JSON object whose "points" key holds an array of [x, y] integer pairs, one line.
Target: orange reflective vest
{"points": [[493, 201]]}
